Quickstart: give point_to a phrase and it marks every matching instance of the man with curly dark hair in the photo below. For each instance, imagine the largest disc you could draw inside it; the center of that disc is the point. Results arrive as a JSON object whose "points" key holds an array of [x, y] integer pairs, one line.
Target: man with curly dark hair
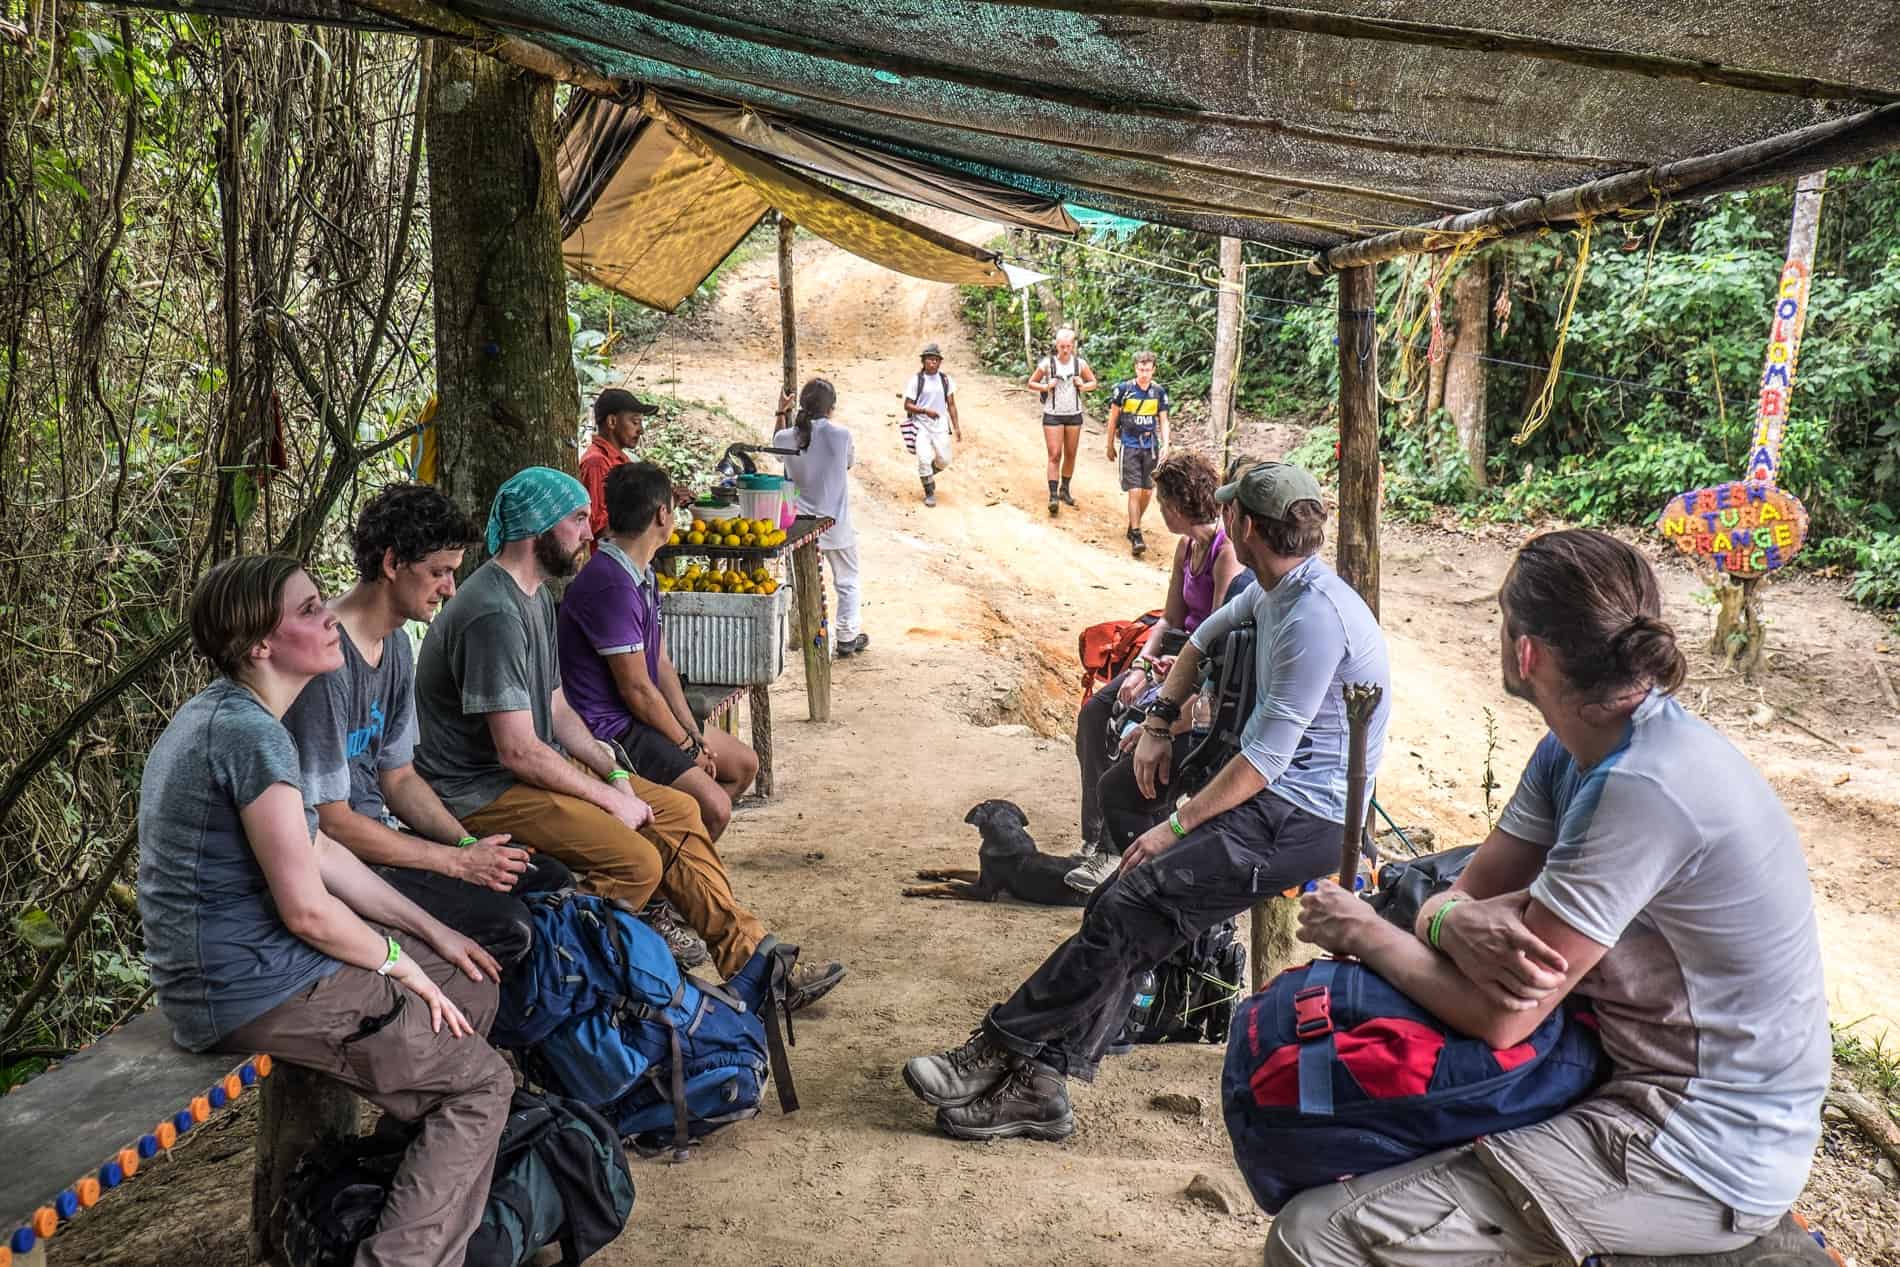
{"points": [[355, 729]]}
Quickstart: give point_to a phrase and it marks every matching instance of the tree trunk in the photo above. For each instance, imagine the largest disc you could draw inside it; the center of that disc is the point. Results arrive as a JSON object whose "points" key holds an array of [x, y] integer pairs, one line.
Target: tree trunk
{"points": [[296, 1108], [1274, 924], [787, 310], [1227, 344], [504, 361], [1358, 558], [1464, 370]]}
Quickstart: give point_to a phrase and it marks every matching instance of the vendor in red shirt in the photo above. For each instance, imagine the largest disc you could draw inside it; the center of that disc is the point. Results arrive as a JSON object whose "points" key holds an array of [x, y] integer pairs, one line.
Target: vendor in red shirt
{"points": [[618, 415]]}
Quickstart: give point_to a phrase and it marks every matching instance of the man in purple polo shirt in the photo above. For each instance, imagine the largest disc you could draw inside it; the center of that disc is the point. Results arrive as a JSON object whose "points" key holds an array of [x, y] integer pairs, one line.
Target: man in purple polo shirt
{"points": [[615, 671]]}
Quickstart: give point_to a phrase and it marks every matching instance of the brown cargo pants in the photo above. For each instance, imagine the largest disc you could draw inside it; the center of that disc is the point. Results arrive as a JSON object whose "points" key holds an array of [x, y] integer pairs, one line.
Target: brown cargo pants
{"points": [[458, 1088], [671, 855]]}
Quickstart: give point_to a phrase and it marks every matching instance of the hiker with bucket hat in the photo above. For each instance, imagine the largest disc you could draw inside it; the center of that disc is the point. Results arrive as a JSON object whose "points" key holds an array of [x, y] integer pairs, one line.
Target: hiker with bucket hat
{"points": [[930, 419]]}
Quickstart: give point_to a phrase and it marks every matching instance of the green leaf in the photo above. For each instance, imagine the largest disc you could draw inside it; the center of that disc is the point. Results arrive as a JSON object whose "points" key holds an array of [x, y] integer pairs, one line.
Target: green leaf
{"points": [[37, 929], [243, 496]]}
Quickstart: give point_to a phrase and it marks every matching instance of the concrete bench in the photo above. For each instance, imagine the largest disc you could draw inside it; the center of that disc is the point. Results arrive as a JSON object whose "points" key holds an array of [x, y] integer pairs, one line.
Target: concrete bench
{"points": [[91, 1123]]}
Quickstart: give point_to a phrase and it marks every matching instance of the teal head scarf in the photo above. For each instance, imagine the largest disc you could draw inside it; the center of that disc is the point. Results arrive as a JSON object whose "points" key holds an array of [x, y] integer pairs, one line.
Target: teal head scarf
{"points": [[530, 503]]}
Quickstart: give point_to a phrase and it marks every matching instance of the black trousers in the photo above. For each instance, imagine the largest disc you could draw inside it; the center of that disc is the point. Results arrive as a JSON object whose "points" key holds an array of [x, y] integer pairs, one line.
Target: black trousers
{"points": [[1094, 753], [1071, 1006], [497, 922], [1114, 811]]}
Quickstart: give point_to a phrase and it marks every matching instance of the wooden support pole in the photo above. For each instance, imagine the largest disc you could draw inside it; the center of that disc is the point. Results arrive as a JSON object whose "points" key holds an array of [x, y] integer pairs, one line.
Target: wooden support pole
{"points": [[1358, 558], [814, 638], [759, 702], [787, 310], [1464, 379], [1227, 344], [296, 1108], [426, 17], [1834, 144]]}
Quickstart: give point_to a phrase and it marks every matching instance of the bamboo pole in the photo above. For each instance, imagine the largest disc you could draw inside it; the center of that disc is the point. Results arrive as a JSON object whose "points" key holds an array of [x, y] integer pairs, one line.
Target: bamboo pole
{"points": [[1227, 344], [1833, 144], [787, 310]]}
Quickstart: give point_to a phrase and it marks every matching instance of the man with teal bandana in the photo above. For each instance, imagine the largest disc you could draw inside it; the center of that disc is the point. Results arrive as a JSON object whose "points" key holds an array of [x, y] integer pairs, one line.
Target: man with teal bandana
{"points": [[506, 753]]}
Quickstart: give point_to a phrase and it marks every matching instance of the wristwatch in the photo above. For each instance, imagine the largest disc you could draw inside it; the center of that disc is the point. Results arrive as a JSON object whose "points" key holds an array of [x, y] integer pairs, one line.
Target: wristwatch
{"points": [[1166, 710]]}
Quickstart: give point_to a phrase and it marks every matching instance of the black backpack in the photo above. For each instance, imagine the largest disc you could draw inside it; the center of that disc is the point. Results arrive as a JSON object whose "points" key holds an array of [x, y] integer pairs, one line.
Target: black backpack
{"points": [[561, 1177], [1195, 991]]}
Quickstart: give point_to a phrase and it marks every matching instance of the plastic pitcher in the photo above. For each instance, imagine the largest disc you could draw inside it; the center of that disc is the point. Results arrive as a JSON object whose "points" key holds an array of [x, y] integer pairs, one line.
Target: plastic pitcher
{"points": [[788, 506], [761, 496]]}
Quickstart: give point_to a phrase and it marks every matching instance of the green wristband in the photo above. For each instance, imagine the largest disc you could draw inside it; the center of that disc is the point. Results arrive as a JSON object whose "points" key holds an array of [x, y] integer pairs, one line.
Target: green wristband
{"points": [[618, 776], [1174, 824], [465, 842], [1438, 921], [395, 957]]}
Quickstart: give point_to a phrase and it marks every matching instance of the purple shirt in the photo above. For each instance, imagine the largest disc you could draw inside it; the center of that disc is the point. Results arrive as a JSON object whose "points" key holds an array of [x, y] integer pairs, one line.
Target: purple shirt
{"points": [[611, 608]]}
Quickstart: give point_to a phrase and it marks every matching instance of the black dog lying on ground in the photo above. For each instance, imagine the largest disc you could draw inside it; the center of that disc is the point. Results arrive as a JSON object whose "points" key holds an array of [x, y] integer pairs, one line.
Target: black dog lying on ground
{"points": [[1011, 864]]}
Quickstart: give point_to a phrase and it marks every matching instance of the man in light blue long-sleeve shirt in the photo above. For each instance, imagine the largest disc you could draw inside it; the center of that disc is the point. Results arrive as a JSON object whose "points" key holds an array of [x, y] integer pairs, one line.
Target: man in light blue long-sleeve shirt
{"points": [[1268, 820]]}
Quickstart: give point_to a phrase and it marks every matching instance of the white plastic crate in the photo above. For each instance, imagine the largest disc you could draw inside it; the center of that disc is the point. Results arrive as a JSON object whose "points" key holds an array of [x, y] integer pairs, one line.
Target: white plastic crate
{"points": [[729, 639]]}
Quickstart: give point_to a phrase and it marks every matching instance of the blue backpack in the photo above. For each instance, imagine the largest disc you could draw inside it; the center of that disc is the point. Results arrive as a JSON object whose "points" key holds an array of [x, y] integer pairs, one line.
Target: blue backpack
{"points": [[599, 1012], [1333, 1073]]}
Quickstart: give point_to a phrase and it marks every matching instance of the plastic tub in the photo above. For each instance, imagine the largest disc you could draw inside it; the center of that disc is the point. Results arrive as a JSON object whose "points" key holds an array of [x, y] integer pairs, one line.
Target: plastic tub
{"points": [[760, 496], [727, 639]]}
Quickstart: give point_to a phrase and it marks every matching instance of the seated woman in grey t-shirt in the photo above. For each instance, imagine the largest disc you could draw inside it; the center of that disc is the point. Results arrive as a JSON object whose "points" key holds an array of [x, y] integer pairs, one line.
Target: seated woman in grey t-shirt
{"points": [[266, 936]]}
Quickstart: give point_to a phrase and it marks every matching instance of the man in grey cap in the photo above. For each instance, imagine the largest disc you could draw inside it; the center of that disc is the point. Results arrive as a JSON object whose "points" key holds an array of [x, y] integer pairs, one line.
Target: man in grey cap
{"points": [[930, 398], [1269, 820]]}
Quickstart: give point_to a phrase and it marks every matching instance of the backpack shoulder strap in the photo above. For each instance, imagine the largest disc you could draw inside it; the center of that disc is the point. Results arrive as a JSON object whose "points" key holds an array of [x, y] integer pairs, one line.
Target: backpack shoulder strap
{"points": [[1312, 1011]]}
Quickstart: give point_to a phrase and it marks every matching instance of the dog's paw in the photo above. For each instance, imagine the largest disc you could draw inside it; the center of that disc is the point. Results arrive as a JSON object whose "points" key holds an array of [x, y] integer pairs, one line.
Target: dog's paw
{"points": [[937, 876]]}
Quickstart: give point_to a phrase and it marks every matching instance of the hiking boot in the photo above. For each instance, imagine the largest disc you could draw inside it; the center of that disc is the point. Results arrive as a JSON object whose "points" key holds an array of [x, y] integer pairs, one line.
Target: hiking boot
{"points": [[1093, 871], [1032, 1099], [1135, 542], [688, 947], [1055, 507], [958, 1076], [853, 646], [930, 497], [1064, 495], [807, 983]]}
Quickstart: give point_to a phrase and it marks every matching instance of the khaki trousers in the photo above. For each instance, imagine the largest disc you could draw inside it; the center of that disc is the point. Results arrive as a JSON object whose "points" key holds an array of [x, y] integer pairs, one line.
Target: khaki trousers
{"points": [[1585, 1182], [671, 855], [458, 1088]]}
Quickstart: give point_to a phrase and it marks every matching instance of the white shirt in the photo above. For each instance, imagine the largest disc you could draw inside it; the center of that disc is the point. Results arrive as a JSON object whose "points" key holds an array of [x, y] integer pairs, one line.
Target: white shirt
{"points": [[935, 393], [820, 472]]}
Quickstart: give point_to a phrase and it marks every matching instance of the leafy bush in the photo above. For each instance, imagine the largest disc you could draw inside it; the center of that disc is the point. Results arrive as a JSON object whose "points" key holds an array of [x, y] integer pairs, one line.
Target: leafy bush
{"points": [[1877, 578]]}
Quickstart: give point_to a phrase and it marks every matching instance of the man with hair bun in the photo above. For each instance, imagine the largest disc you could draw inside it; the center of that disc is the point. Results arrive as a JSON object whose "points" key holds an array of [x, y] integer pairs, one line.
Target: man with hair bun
{"points": [[1646, 865]]}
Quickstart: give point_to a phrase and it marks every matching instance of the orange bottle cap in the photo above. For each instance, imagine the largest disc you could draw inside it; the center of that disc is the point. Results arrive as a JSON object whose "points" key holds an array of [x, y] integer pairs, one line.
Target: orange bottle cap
{"points": [[167, 1134], [88, 1190], [128, 1160], [232, 1087], [45, 1221], [263, 1065], [200, 1108]]}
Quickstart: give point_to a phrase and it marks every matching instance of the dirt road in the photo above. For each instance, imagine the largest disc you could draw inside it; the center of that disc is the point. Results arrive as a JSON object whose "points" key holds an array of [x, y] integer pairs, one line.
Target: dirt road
{"points": [[968, 692]]}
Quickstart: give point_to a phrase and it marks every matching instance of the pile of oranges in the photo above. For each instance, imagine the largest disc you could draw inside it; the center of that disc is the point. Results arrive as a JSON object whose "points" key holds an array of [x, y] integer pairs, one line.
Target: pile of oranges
{"points": [[702, 580], [729, 533]]}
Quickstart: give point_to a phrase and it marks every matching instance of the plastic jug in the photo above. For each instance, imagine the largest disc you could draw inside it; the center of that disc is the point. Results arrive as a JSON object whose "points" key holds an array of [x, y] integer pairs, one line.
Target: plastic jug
{"points": [[761, 496], [788, 509]]}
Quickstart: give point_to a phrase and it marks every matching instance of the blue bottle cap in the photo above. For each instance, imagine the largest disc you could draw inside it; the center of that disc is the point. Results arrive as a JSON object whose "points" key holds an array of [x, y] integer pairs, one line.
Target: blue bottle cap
{"points": [[23, 1240]]}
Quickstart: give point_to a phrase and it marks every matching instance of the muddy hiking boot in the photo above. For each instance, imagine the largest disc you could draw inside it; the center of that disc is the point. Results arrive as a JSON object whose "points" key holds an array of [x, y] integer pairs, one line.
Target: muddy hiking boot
{"points": [[688, 947], [1063, 492], [960, 1075], [852, 646], [930, 492], [1032, 1100], [1135, 544], [807, 983], [1055, 505], [1093, 867]]}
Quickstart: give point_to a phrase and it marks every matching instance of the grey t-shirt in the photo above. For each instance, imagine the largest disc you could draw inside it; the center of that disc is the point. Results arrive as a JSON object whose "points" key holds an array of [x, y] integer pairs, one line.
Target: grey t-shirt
{"points": [[1675, 853], [489, 650], [220, 955], [352, 724], [1314, 636]]}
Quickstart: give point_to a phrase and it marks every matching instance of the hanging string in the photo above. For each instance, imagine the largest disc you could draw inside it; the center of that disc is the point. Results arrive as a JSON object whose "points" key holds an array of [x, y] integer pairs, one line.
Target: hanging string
{"points": [[1546, 398]]}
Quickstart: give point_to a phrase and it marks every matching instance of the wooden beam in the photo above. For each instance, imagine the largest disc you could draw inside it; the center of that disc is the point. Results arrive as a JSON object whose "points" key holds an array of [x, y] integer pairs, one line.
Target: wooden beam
{"points": [[1358, 558], [425, 17], [1472, 39], [1835, 144]]}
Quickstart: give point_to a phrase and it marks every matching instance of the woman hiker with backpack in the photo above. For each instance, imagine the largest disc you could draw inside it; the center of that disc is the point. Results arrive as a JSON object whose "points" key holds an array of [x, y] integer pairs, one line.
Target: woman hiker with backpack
{"points": [[1061, 379]]}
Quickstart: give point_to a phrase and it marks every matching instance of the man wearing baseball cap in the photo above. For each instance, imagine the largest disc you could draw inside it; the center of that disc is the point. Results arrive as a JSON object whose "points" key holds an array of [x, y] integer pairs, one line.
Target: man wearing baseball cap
{"points": [[618, 421], [931, 395], [1269, 820]]}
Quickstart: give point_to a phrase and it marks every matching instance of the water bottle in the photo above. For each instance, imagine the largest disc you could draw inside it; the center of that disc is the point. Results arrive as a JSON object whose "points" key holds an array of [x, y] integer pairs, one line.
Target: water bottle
{"points": [[1141, 1011]]}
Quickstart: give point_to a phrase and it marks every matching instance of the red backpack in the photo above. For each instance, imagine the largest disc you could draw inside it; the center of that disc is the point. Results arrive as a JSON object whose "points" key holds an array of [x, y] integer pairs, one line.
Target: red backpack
{"points": [[1108, 648]]}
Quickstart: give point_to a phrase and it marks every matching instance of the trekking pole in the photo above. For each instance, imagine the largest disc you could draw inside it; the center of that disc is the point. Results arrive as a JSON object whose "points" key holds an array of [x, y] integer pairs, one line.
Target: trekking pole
{"points": [[1362, 698]]}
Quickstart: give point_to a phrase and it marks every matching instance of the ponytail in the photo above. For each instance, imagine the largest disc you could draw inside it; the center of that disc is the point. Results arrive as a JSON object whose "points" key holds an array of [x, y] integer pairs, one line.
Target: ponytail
{"points": [[815, 401]]}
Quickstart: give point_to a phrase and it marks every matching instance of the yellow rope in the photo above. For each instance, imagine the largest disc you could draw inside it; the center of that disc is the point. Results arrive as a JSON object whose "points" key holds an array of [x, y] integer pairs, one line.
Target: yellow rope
{"points": [[1540, 408]]}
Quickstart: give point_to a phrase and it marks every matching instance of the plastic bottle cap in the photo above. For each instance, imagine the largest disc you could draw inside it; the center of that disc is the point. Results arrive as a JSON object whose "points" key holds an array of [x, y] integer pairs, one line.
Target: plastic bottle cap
{"points": [[22, 1240], [111, 1175], [233, 1086], [263, 1065], [148, 1146], [66, 1204], [216, 1097], [6, 1256], [88, 1190], [200, 1108], [46, 1222], [166, 1134], [248, 1074]]}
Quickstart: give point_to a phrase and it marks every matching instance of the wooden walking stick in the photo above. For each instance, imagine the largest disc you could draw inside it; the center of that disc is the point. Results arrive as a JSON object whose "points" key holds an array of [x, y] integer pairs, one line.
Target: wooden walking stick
{"points": [[1362, 699]]}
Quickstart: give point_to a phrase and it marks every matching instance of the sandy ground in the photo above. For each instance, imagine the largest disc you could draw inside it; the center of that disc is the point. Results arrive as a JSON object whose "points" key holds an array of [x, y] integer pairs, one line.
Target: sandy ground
{"points": [[968, 692]]}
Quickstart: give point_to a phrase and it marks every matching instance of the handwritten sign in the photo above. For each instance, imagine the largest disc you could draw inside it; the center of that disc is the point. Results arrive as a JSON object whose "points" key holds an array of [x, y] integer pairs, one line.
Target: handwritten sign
{"points": [[1745, 528], [1777, 379]]}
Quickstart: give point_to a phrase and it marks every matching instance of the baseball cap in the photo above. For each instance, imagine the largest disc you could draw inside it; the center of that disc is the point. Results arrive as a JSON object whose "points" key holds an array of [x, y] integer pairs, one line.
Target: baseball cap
{"points": [[1268, 488], [618, 400], [931, 349]]}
